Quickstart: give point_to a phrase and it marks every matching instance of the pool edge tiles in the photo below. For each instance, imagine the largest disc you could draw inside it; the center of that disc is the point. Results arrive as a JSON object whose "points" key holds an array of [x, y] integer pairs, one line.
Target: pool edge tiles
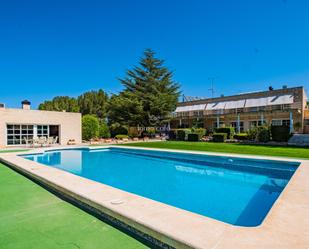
{"points": [[285, 219]]}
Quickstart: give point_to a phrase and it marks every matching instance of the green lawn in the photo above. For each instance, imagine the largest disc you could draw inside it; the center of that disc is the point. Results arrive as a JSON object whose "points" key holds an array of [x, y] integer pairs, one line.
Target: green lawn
{"points": [[6, 151], [229, 148], [32, 217]]}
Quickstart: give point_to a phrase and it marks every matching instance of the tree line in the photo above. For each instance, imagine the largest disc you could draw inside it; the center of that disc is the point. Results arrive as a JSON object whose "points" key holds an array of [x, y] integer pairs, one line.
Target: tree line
{"points": [[149, 96]]}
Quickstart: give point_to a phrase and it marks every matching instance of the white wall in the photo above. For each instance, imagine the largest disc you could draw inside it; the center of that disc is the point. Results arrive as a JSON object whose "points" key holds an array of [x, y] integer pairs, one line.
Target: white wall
{"points": [[69, 123]]}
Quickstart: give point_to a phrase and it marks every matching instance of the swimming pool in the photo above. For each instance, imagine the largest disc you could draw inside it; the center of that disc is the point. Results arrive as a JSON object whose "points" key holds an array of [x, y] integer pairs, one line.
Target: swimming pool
{"points": [[233, 190]]}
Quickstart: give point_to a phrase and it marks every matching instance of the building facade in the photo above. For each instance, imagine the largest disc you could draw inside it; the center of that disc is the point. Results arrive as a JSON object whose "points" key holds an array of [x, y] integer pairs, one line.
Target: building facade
{"points": [[17, 125], [286, 106]]}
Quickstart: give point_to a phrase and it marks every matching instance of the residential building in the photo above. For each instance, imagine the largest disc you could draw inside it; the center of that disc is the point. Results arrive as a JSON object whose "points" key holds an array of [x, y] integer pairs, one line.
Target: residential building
{"points": [[286, 106], [19, 125]]}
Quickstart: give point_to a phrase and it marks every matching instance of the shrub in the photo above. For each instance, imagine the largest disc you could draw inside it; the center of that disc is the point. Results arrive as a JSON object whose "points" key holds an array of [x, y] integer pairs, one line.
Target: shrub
{"points": [[230, 131], [193, 137], [219, 137], [252, 134], [121, 136], [182, 134], [90, 127], [208, 132], [171, 135], [263, 134], [117, 128], [280, 133], [199, 131], [241, 136], [104, 131], [150, 132]]}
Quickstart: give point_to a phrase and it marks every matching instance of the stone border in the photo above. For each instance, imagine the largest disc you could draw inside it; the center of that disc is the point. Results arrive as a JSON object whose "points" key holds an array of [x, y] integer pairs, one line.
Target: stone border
{"points": [[285, 226]]}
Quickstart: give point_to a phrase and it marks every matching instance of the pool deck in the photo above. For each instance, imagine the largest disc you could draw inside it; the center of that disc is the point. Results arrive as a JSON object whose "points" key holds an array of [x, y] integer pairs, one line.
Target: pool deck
{"points": [[285, 226]]}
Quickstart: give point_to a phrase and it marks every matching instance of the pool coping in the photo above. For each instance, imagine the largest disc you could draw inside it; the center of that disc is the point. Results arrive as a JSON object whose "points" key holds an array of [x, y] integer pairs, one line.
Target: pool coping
{"points": [[285, 226]]}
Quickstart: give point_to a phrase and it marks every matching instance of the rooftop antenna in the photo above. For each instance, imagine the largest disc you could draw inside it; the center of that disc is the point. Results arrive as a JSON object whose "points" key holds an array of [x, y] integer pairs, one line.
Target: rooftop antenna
{"points": [[212, 89]]}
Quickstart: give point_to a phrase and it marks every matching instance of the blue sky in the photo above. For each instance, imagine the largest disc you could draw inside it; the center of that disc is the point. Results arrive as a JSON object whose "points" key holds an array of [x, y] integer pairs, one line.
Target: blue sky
{"points": [[50, 48]]}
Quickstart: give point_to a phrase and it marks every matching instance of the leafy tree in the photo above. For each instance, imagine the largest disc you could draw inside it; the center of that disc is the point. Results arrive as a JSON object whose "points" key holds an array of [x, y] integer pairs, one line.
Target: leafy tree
{"points": [[104, 131], [150, 94], [60, 103], [93, 102], [125, 109], [90, 127]]}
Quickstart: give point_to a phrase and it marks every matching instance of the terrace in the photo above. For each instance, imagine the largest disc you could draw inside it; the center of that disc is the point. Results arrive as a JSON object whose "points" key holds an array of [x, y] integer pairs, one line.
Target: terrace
{"points": [[151, 217]]}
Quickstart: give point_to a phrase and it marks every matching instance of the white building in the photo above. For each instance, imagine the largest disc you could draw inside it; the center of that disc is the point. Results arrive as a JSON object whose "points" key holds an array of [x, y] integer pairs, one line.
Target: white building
{"points": [[19, 125]]}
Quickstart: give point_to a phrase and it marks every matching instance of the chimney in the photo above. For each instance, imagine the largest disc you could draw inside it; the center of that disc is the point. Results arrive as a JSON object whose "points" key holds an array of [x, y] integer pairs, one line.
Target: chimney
{"points": [[26, 105]]}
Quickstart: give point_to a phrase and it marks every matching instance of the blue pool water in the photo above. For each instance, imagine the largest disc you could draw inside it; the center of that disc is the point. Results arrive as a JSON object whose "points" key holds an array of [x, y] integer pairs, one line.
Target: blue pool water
{"points": [[233, 190]]}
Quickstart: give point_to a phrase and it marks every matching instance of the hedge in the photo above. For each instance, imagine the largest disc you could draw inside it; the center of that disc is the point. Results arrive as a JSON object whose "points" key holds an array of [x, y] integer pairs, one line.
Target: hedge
{"points": [[121, 136], [171, 135], [280, 133], [182, 134], [199, 131], [219, 137], [193, 137], [230, 131], [241, 136]]}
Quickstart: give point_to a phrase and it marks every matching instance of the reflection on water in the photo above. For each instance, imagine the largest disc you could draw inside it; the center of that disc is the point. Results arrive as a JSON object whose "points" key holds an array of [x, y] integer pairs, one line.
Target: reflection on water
{"points": [[239, 192]]}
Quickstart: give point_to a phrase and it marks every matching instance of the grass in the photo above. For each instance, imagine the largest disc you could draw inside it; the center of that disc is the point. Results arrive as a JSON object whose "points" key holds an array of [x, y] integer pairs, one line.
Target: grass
{"points": [[32, 217], [7, 151], [265, 150]]}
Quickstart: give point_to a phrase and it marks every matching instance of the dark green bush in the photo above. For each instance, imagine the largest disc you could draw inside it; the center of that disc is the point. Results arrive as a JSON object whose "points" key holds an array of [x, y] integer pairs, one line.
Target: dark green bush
{"points": [[90, 127], [171, 135], [117, 128], [219, 137], [199, 131], [150, 132], [230, 131], [252, 134], [193, 137], [241, 136], [121, 136], [280, 133], [208, 132], [182, 134], [263, 134]]}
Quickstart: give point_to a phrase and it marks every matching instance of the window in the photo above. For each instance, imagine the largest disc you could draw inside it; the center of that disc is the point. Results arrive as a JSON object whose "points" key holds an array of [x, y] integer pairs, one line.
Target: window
{"points": [[198, 113], [256, 123], [16, 134], [241, 126], [276, 122], [286, 122], [276, 107], [287, 106], [280, 122], [306, 122], [42, 130], [253, 109], [239, 110], [221, 123]]}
